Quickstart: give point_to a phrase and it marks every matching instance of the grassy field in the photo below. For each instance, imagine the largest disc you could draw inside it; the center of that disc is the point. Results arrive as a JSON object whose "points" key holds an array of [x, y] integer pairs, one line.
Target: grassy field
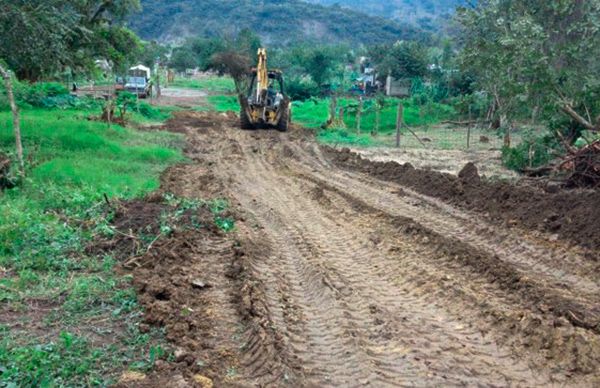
{"points": [[313, 113], [56, 298], [216, 85]]}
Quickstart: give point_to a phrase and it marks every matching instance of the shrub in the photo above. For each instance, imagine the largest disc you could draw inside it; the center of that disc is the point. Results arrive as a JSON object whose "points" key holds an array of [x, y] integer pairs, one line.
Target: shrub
{"points": [[532, 152], [299, 89]]}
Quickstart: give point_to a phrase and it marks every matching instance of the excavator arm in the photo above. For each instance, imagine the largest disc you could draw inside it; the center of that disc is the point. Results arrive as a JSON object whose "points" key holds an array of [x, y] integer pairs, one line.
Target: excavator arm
{"points": [[265, 104], [262, 76]]}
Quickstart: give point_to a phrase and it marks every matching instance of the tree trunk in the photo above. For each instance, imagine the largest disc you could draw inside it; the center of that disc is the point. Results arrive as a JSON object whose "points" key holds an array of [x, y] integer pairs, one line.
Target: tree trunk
{"points": [[16, 119], [359, 114], [377, 121], [568, 109], [332, 111]]}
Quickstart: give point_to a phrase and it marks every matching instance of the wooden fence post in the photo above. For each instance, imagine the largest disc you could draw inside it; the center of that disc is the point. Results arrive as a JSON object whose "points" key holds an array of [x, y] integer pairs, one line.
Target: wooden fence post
{"points": [[469, 136], [399, 121], [359, 114], [332, 111], [507, 135], [377, 120], [469, 129]]}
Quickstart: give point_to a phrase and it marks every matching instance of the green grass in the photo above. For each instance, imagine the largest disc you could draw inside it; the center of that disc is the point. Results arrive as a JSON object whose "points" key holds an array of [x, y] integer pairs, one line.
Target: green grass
{"points": [[222, 85], [314, 113], [45, 224], [347, 138], [224, 103]]}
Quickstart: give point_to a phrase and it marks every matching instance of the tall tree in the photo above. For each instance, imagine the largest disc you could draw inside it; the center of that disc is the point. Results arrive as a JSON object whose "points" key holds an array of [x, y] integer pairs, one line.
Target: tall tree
{"points": [[538, 52], [5, 74], [41, 37], [401, 60]]}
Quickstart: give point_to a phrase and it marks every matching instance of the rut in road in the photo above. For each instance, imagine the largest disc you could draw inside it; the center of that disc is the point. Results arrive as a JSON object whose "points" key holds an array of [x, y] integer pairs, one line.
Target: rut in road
{"points": [[367, 287]]}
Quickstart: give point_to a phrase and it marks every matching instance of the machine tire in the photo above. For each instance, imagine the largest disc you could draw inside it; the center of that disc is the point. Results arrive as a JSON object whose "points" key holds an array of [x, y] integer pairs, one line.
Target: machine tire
{"points": [[284, 121], [245, 122]]}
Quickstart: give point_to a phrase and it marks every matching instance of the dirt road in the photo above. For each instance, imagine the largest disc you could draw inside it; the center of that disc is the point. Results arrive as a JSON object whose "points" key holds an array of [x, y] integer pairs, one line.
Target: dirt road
{"points": [[345, 280]]}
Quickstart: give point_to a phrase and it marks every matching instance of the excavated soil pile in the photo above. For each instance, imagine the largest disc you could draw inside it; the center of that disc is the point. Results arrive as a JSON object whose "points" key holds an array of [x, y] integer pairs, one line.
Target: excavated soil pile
{"points": [[572, 215]]}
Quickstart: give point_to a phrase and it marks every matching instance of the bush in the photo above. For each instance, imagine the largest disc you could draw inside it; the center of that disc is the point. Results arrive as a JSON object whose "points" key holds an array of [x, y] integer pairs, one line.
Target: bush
{"points": [[150, 112], [532, 152], [44, 95], [299, 89]]}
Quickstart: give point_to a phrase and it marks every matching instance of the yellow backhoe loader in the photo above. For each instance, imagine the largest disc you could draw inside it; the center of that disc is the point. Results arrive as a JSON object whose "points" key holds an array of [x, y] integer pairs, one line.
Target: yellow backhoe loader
{"points": [[265, 104]]}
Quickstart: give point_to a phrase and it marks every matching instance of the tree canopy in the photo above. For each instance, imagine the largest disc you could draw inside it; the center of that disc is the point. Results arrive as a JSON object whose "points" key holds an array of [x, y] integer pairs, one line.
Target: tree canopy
{"points": [[539, 53], [41, 37]]}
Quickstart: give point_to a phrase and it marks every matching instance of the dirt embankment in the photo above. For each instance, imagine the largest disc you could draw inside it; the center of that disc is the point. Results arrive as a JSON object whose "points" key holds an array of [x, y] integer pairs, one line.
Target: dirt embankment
{"points": [[570, 214]]}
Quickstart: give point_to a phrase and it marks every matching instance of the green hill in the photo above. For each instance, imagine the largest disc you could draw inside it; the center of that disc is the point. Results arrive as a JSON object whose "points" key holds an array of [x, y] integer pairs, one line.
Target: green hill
{"points": [[278, 22], [427, 14]]}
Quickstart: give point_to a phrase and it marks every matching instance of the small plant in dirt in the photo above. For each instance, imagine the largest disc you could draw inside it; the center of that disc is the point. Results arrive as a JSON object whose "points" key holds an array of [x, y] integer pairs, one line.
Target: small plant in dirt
{"points": [[139, 225]]}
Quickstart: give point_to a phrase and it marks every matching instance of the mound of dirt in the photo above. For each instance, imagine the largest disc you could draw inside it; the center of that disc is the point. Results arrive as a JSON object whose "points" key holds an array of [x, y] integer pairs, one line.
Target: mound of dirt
{"points": [[573, 215], [469, 174]]}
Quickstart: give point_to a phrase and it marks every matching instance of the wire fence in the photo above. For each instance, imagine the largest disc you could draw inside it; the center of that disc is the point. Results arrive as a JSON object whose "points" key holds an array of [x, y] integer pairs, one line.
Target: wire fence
{"points": [[450, 137], [429, 131]]}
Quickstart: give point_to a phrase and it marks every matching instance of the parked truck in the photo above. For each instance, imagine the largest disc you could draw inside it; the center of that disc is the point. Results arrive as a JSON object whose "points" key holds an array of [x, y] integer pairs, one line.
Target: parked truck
{"points": [[138, 81]]}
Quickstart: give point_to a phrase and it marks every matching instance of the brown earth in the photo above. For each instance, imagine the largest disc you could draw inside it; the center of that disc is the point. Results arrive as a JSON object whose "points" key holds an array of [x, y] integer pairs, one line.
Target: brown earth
{"points": [[353, 276], [571, 214]]}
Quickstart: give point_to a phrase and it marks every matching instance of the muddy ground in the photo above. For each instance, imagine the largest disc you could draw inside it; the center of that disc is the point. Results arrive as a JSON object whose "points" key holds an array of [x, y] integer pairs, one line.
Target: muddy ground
{"points": [[343, 272], [489, 162], [570, 214]]}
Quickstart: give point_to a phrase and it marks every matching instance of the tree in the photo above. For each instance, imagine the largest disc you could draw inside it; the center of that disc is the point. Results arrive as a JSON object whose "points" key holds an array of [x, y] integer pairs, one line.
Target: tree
{"points": [[539, 52], [319, 64], [183, 58], [42, 37], [248, 42], [35, 36], [153, 51], [5, 74], [401, 60], [235, 64], [204, 49]]}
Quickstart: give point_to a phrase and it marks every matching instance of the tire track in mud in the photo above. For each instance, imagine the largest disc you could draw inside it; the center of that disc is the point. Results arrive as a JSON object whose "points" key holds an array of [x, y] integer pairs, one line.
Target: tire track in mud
{"points": [[561, 267], [443, 272], [368, 304], [367, 283]]}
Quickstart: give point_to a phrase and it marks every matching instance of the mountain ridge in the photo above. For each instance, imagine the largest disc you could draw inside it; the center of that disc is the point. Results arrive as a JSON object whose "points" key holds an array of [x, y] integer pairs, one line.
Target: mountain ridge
{"points": [[427, 14], [278, 22]]}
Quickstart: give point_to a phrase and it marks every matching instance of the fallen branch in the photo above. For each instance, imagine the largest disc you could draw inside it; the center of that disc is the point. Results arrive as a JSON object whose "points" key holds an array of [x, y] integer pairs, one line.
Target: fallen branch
{"points": [[583, 166], [568, 109]]}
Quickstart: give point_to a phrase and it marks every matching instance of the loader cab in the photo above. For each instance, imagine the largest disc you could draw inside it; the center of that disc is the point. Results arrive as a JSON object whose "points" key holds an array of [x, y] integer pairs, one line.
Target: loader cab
{"points": [[265, 103], [275, 91]]}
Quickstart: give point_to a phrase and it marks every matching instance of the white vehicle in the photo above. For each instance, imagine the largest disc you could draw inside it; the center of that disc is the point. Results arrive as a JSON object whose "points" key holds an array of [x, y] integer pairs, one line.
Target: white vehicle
{"points": [[138, 81]]}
